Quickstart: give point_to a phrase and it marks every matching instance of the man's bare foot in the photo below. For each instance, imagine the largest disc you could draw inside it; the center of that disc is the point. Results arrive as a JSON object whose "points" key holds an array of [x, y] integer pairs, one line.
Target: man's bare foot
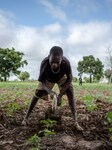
{"points": [[78, 127], [24, 122]]}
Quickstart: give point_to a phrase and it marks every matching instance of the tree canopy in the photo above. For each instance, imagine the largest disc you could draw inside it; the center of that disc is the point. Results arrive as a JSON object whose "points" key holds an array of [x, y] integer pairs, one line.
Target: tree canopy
{"points": [[10, 62], [24, 76], [91, 66], [108, 75]]}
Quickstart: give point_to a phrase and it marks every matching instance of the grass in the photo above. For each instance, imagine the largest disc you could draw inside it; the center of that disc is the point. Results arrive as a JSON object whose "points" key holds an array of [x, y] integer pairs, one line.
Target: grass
{"points": [[96, 90], [89, 102], [17, 95], [25, 90]]}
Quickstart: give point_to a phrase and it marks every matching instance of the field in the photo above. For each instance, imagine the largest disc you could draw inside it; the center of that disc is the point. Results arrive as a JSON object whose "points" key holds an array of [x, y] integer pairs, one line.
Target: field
{"points": [[48, 131]]}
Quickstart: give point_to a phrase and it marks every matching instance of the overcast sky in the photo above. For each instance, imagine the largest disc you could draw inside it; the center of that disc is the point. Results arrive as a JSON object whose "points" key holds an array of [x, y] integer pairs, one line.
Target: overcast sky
{"points": [[80, 27]]}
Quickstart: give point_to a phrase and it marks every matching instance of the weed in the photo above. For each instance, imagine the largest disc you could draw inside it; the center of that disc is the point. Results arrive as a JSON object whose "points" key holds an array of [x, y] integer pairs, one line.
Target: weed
{"points": [[109, 119], [49, 123], [48, 132], [34, 141], [111, 138], [98, 96], [110, 129], [109, 116], [48, 127], [34, 148], [108, 98], [12, 107], [62, 102], [89, 102]]}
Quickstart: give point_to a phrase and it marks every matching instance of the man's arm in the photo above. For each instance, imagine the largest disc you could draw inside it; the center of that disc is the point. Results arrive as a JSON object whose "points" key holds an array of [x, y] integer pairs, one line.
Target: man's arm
{"points": [[66, 85], [49, 91], [68, 72], [44, 85]]}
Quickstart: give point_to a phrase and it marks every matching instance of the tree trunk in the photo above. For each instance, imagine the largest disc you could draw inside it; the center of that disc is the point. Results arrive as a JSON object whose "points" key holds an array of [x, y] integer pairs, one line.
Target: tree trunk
{"points": [[90, 78], [110, 80], [5, 78]]}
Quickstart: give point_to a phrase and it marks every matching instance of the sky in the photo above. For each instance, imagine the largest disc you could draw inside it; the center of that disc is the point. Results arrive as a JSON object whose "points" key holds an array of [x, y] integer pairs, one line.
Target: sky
{"points": [[80, 27]]}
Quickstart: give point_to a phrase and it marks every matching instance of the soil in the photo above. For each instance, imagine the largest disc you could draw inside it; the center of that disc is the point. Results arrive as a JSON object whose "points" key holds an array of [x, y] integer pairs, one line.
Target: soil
{"points": [[95, 134]]}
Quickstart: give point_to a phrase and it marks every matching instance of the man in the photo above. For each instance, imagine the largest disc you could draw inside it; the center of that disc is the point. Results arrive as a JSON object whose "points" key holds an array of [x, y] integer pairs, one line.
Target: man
{"points": [[55, 69], [80, 80]]}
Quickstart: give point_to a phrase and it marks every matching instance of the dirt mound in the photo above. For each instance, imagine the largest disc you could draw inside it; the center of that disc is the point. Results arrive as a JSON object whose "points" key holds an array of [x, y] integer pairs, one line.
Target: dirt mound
{"points": [[95, 136]]}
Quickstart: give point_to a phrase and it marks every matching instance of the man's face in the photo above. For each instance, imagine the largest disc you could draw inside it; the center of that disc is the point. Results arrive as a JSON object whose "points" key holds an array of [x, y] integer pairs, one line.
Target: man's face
{"points": [[55, 61]]}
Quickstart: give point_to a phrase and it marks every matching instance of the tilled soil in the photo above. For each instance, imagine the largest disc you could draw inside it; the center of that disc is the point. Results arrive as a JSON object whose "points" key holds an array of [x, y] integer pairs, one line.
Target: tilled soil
{"points": [[95, 134]]}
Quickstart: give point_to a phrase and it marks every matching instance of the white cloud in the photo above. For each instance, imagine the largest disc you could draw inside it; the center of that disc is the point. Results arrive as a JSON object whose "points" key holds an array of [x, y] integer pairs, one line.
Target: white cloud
{"points": [[77, 40], [52, 28], [89, 33], [7, 30]]}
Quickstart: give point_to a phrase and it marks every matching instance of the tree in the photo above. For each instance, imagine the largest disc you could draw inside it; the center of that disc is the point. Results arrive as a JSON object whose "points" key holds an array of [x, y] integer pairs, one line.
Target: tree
{"points": [[108, 72], [91, 66], [10, 62], [75, 79], [86, 79], [24, 76]]}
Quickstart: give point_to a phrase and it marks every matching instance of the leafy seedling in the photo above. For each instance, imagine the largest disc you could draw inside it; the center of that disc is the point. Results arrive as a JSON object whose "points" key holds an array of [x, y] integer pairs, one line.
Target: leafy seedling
{"points": [[34, 141], [109, 119], [89, 102], [109, 116], [48, 123]]}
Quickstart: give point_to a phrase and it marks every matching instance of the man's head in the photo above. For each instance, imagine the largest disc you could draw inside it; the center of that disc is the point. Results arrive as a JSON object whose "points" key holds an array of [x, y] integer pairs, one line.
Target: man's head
{"points": [[55, 57]]}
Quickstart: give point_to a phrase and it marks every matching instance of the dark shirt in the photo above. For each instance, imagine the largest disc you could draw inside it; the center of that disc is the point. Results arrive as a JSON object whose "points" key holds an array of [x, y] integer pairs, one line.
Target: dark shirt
{"points": [[47, 74]]}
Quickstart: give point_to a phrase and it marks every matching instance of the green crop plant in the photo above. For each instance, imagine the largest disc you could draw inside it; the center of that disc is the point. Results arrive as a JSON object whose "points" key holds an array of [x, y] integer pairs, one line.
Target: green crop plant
{"points": [[110, 130], [47, 132], [34, 141], [89, 102], [108, 98], [48, 123], [98, 96], [111, 138], [11, 108], [109, 116], [109, 119], [62, 102]]}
